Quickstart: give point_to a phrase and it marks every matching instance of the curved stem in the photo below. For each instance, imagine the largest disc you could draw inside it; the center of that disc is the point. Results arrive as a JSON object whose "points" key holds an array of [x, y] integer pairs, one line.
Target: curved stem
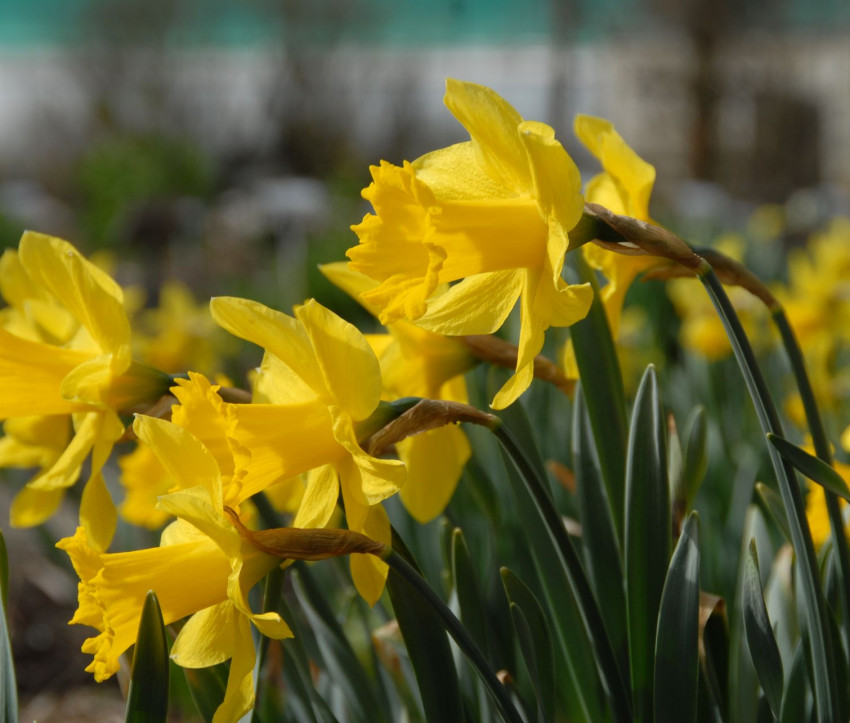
{"points": [[460, 635], [606, 661], [825, 682], [822, 450]]}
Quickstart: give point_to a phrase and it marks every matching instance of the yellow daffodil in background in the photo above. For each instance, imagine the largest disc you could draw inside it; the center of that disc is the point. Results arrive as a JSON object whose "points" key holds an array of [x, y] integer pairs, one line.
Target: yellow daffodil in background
{"points": [[203, 568], [419, 363], [817, 301], [318, 381], [492, 214], [74, 360], [179, 334], [816, 507], [624, 187]]}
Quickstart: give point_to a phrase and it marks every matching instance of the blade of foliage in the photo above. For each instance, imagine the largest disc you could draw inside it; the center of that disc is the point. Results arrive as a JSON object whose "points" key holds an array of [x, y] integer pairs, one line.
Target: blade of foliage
{"points": [[473, 612], [815, 469], [714, 656], [677, 641], [207, 687], [414, 588], [764, 651], [599, 369], [823, 451], [774, 505], [548, 519], [599, 539], [427, 646], [342, 664], [696, 452], [647, 536], [147, 698], [794, 698], [8, 685], [535, 641], [823, 661]]}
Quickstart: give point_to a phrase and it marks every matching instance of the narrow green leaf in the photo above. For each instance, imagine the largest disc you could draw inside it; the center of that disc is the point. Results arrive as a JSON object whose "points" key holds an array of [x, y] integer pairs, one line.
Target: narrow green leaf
{"points": [[696, 452], [774, 505], [535, 641], [575, 614], [147, 698], [473, 612], [647, 536], [8, 686], [342, 664], [794, 706], [599, 368], [427, 646], [600, 542], [764, 651], [207, 687], [677, 641], [815, 469]]}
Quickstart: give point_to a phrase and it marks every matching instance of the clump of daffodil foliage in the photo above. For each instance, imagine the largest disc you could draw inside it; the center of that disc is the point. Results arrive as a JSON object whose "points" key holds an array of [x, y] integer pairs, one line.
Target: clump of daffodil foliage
{"points": [[594, 554]]}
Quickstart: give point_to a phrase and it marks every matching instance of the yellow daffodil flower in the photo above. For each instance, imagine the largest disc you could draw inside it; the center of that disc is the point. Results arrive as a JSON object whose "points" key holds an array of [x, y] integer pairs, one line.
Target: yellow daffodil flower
{"points": [[203, 568], [74, 361], [418, 363], [318, 380], [492, 215], [624, 187]]}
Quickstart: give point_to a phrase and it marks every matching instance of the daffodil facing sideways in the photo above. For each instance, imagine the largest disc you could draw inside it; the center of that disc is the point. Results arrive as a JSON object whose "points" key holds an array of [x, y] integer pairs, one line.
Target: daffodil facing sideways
{"points": [[490, 218], [65, 350], [205, 565], [419, 363], [315, 395]]}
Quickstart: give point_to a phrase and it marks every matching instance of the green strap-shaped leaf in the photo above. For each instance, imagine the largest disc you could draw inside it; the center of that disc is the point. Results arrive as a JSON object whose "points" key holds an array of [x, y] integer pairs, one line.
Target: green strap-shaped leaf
{"points": [[815, 469], [647, 536], [147, 699], [473, 612], [774, 505], [596, 358], [794, 704], [207, 687], [764, 651], [427, 646], [677, 641], [696, 452], [341, 661], [576, 617], [535, 641], [4, 571], [600, 542], [8, 685]]}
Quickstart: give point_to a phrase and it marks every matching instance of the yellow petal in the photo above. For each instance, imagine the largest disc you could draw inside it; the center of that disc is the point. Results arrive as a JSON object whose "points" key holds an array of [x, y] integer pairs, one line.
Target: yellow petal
{"points": [[434, 462], [349, 366], [98, 515], [492, 124], [182, 455], [194, 506], [239, 695], [91, 296], [143, 479], [31, 376], [66, 469], [477, 305], [207, 638], [31, 507], [352, 282], [274, 331], [454, 173], [320, 498], [34, 441], [367, 571]]}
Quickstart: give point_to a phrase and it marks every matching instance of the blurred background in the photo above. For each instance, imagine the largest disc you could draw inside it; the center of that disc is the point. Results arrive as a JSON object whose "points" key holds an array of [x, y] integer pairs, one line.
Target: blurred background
{"points": [[225, 144]]}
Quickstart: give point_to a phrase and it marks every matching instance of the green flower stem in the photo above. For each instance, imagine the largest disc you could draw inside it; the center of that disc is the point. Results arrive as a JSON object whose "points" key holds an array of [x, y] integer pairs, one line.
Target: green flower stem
{"points": [[605, 659], [822, 450], [825, 682], [499, 693]]}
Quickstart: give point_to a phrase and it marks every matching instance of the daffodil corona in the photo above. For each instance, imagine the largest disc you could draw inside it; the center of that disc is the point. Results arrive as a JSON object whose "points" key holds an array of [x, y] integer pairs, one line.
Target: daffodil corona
{"points": [[491, 217]]}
